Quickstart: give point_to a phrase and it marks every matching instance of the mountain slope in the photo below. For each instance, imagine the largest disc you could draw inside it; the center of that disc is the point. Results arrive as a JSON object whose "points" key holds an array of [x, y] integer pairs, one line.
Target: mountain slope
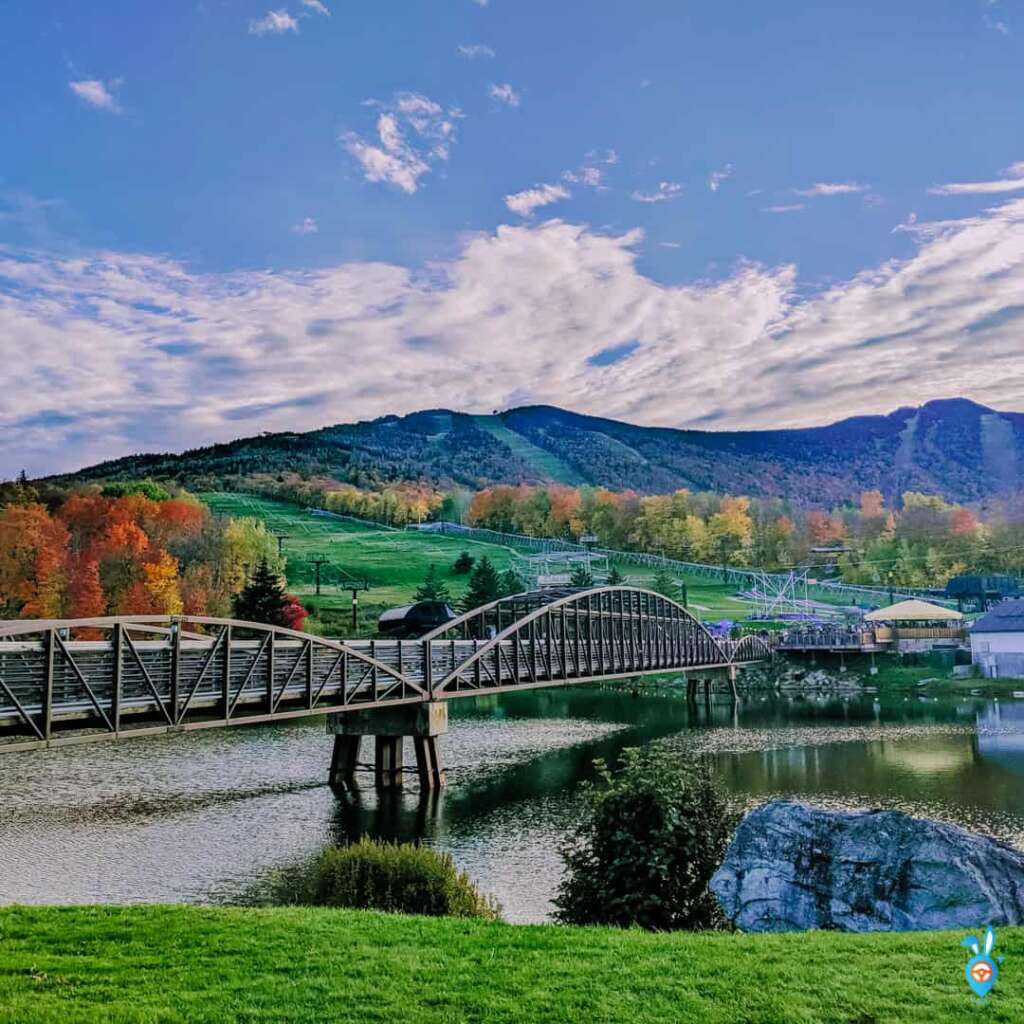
{"points": [[955, 447]]}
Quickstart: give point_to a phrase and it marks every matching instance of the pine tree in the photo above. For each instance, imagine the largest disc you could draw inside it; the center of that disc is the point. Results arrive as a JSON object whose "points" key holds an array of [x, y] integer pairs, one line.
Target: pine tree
{"points": [[433, 588], [511, 583], [263, 599], [484, 586], [581, 576], [463, 563], [663, 583], [615, 578]]}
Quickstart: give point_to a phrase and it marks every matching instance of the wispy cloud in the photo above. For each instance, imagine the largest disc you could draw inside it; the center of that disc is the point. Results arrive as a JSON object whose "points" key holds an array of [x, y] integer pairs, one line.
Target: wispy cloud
{"points": [[716, 178], [474, 51], [317, 6], [666, 190], [97, 94], [671, 245], [524, 203], [504, 94], [591, 171], [785, 208], [828, 188], [1012, 181], [273, 23], [306, 226], [147, 353], [413, 133]]}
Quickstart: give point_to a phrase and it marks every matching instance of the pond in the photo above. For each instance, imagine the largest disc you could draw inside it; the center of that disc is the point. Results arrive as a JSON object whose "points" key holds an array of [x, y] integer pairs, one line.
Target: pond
{"points": [[208, 816]]}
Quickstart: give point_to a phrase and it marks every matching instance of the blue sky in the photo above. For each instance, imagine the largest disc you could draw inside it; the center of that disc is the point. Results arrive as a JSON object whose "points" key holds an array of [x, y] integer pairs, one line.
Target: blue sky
{"points": [[229, 216]]}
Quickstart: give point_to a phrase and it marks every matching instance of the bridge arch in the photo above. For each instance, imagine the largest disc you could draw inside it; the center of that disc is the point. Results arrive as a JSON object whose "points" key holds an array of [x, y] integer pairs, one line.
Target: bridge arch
{"points": [[601, 632]]}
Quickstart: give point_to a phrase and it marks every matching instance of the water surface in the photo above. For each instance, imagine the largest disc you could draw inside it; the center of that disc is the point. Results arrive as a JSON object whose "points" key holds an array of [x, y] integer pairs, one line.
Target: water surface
{"points": [[208, 816]]}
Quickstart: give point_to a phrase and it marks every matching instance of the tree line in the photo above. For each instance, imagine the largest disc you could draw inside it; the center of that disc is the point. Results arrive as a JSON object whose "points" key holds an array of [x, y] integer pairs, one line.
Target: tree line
{"points": [[132, 549]]}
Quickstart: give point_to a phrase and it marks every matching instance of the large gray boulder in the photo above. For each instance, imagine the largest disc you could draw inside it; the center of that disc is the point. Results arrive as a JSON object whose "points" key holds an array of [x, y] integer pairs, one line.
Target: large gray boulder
{"points": [[791, 867]]}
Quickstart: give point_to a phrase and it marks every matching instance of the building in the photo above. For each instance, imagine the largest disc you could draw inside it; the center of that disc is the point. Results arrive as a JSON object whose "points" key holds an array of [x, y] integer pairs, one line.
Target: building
{"points": [[979, 592], [997, 641]]}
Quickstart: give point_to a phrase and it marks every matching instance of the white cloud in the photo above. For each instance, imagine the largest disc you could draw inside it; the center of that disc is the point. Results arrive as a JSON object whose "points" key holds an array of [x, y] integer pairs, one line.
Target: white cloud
{"points": [[274, 23], [481, 3], [671, 245], [1013, 181], [589, 173], [306, 226], [785, 208], [96, 94], [715, 178], [503, 94], [666, 190], [472, 51], [107, 353], [413, 133], [826, 188], [524, 203], [317, 7]]}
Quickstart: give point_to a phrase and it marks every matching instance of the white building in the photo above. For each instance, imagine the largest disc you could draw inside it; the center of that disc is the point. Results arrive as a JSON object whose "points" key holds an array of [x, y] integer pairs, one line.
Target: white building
{"points": [[997, 641]]}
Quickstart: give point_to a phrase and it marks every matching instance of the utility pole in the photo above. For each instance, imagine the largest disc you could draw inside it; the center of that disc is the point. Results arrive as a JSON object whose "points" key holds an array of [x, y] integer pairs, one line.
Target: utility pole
{"points": [[281, 538], [318, 561]]}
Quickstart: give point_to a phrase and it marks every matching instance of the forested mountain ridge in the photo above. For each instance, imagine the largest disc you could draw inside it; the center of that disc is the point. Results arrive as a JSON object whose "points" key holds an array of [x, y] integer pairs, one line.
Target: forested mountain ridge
{"points": [[956, 448]]}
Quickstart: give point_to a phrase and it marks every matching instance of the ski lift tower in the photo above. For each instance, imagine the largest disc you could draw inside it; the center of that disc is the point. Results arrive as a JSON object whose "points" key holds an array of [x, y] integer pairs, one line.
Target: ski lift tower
{"points": [[588, 541]]}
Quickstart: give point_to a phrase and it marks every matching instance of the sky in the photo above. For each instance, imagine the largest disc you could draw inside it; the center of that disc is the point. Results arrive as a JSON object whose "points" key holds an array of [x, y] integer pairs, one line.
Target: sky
{"points": [[231, 216]]}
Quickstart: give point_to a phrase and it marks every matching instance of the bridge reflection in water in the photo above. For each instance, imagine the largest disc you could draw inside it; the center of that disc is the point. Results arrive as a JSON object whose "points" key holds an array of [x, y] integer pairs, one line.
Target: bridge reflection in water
{"points": [[73, 681]]}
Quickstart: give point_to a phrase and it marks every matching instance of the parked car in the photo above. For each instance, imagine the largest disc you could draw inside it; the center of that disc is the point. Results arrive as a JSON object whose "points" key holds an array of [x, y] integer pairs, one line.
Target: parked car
{"points": [[410, 621]]}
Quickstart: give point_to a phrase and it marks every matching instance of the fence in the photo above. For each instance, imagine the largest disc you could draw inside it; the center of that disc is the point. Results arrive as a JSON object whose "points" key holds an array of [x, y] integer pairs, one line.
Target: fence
{"points": [[724, 573]]}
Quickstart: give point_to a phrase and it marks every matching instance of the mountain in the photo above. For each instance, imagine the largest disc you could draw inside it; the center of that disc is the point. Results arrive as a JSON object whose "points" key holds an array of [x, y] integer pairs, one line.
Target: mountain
{"points": [[957, 448]]}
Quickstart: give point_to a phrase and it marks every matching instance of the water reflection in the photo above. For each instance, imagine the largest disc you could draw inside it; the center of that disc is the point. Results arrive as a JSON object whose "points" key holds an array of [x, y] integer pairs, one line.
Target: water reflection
{"points": [[209, 815]]}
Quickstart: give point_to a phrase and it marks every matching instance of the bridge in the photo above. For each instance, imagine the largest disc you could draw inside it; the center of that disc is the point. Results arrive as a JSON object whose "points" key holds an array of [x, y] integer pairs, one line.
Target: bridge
{"points": [[109, 678]]}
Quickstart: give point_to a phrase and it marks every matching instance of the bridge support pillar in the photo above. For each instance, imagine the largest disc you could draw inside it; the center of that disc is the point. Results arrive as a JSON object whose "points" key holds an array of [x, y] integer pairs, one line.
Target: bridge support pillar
{"points": [[425, 722], [732, 683]]}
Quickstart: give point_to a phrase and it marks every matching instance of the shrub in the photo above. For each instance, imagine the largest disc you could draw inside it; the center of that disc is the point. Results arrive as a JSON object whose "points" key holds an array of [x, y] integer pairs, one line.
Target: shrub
{"points": [[375, 875], [463, 563], [653, 835]]}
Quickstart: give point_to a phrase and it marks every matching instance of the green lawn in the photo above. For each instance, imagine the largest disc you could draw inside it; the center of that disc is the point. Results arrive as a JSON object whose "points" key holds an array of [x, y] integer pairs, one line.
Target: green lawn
{"points": [[173, 964], [395, 561]]}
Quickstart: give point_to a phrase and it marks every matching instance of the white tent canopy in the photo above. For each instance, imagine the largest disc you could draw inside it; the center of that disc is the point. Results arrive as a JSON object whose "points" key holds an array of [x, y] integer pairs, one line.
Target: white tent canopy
{"points": [[913, 611]]}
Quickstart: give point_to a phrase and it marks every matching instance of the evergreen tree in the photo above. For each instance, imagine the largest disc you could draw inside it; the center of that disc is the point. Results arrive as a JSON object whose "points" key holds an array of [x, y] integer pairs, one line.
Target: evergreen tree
{"points": [[581, 576], [263, 599], [484, 586], [433, 587], [463, 563], [615, 578], [663, 583], [511, 583]]}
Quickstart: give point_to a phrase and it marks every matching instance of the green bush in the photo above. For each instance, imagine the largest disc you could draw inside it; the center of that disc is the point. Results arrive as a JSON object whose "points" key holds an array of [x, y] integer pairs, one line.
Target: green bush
{"points": [[374, 875], [147, 488], [653, 835]]}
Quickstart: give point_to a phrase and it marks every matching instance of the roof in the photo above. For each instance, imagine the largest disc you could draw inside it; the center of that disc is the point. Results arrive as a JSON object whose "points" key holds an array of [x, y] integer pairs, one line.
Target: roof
{"points": [[1005, 617], [912, 611]]}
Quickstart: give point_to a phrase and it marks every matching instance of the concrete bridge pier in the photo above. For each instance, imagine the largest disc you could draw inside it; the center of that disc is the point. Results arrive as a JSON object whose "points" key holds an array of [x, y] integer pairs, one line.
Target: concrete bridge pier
{"points": [[425, 722]]}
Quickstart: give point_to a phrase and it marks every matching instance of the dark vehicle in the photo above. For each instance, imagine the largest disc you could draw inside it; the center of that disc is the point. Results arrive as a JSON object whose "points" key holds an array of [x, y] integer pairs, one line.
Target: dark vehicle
{"points": [[414, 620]]}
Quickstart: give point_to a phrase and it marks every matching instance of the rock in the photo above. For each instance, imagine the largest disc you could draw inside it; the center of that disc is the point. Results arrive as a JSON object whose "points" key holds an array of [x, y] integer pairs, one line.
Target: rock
{"points": [[792, 867]]}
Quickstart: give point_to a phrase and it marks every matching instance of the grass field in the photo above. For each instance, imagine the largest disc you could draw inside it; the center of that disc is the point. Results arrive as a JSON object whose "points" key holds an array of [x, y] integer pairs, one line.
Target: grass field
{"points": [[144, 965], [394, 562]]}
